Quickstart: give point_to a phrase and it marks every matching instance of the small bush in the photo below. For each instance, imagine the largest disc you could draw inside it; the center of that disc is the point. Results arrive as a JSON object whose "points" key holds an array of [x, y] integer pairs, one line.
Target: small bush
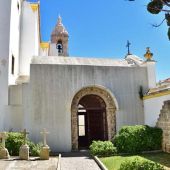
{"points": [[35, 148], [102, 148], [134, 139], [140, 164], [14, 142]]}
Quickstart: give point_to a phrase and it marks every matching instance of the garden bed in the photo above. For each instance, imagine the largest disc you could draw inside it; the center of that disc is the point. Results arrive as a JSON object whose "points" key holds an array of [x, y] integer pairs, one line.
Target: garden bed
{"points": [[114, 162]]}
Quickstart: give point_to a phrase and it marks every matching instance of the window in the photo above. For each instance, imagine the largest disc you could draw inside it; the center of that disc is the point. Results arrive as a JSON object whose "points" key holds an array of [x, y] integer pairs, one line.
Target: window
{"points": [[81, 121], [12, 65], [18, 5]]}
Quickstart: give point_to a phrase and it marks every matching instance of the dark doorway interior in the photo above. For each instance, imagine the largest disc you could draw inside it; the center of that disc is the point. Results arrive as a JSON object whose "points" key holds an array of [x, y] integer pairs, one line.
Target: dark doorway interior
{"points": [[92, 124]]}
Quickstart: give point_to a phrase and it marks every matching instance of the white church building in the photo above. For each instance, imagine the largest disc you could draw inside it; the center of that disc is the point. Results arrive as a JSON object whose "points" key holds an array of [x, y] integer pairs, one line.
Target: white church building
{"points": [[76, 99]]}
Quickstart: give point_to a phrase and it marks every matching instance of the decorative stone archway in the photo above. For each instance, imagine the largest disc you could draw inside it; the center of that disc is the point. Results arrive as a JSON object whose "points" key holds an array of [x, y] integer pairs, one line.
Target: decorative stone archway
{"points": [[164, 123], [111, 107]]}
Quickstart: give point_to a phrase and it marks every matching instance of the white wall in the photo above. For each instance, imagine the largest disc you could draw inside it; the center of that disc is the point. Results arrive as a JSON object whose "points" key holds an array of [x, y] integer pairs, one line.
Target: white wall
{"points": [[14, 118], [14, 39], [151, 74], [43, 52], [152, 109], [29, 42], [5, 14], [47, 98], [53, 51]]}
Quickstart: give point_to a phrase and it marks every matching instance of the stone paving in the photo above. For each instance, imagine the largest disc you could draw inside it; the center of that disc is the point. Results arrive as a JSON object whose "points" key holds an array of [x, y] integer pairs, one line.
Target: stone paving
{"points": [[78, 161], [32, 164]]}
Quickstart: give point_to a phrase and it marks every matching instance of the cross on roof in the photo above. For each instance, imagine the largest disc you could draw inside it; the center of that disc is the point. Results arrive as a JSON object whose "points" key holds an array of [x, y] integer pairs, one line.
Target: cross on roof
{"points": [[44, 133], [25, 133], [128, 46], [3, 136]]}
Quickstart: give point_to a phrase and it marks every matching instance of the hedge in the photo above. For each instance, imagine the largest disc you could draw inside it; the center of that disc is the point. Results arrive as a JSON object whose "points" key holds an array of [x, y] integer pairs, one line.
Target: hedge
{"points": [[140, 164], [134, 139], [102, 148]]}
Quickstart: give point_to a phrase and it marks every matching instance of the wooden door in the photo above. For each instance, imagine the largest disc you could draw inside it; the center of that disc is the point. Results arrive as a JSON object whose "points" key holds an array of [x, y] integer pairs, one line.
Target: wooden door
{"points": [[95, 125]]}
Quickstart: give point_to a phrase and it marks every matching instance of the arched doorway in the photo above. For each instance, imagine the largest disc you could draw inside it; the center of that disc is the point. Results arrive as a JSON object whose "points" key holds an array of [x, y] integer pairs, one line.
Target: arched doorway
{"points": [[93, 116], [92, 123]]}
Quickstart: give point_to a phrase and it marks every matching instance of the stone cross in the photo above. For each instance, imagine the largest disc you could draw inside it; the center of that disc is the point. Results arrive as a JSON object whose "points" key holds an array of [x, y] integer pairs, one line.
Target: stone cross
{"points": [[25, 133], [44, 133], [3, 137]]}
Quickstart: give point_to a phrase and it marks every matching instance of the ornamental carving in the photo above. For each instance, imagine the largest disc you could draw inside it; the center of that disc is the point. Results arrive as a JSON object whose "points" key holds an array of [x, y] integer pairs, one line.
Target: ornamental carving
{"points": [[111, 107]]}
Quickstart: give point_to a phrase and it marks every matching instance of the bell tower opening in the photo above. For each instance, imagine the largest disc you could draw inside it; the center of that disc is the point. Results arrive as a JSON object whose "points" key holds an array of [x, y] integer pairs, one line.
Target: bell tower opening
{"points": [[59, 40], [59, 47]]}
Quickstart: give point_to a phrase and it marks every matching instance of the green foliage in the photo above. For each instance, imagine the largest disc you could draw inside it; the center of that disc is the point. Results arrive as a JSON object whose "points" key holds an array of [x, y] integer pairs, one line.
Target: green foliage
{"points": [[15, 140], [169, 33], [140, 164], [34, 148], [13, 143], [155, 6], [135, 139], [102, 148], [167, 17]]}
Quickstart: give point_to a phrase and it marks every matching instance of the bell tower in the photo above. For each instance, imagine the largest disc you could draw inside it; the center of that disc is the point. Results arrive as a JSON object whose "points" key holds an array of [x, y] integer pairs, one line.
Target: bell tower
{"points": [[59, 40]]}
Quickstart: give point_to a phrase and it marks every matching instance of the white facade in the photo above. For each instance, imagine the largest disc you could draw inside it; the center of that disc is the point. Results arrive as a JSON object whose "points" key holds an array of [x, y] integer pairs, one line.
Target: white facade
{"points": [[153, 103], [30, 37], [38, 86], [5, 15], [151, 74]]}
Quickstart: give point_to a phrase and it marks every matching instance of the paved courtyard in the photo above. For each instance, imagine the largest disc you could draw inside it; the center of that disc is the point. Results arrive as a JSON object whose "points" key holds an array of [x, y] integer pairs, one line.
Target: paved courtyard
{"points": [[33, 164], [69, 161], [78, 161]]}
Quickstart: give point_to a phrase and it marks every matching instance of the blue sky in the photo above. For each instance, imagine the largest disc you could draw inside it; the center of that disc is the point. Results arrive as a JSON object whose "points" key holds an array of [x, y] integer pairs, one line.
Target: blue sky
{"points": [[101, 28]]}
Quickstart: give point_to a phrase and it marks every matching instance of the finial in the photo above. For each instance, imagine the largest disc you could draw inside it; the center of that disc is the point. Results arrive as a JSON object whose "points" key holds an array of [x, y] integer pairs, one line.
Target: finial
{"points": [[148, 55], [59, 22], [128, 46]]}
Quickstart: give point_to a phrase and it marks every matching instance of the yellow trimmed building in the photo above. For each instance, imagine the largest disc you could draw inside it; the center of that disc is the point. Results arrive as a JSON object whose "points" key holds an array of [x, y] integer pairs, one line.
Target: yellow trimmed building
{"points": [[154, 101]]}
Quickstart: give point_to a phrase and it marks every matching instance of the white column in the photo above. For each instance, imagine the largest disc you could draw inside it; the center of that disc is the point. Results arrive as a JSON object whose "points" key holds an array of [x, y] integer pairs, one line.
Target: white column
{"points": [[151, 71]]}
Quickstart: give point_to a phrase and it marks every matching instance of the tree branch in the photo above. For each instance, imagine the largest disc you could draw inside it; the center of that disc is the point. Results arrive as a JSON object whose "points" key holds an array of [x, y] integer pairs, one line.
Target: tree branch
{"points": [[158, 25]]}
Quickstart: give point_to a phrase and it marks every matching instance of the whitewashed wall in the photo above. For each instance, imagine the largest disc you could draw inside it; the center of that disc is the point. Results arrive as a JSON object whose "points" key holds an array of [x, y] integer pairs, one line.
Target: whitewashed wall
{"points": [[5, 14], [43, 52], [151, 74], [30, 38], [47, 98], [53, 51], [14, 39], [152, 109], [14, 118]]}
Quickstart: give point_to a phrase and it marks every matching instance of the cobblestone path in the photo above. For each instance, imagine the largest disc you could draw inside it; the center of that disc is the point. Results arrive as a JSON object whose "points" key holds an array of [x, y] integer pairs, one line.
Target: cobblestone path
{"points": [[78, 161]]}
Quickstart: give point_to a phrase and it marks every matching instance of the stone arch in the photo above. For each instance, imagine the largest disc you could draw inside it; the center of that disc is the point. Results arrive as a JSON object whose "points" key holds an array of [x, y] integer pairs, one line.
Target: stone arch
{"points": [[111, 107], [164, 123]]}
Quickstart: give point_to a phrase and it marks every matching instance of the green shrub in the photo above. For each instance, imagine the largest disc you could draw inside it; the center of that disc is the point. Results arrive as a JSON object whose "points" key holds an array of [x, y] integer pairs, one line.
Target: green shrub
{"points": [[13, 143], [15, 140], [134, 139], [35, 148], [140, 164], [102, 148]]}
